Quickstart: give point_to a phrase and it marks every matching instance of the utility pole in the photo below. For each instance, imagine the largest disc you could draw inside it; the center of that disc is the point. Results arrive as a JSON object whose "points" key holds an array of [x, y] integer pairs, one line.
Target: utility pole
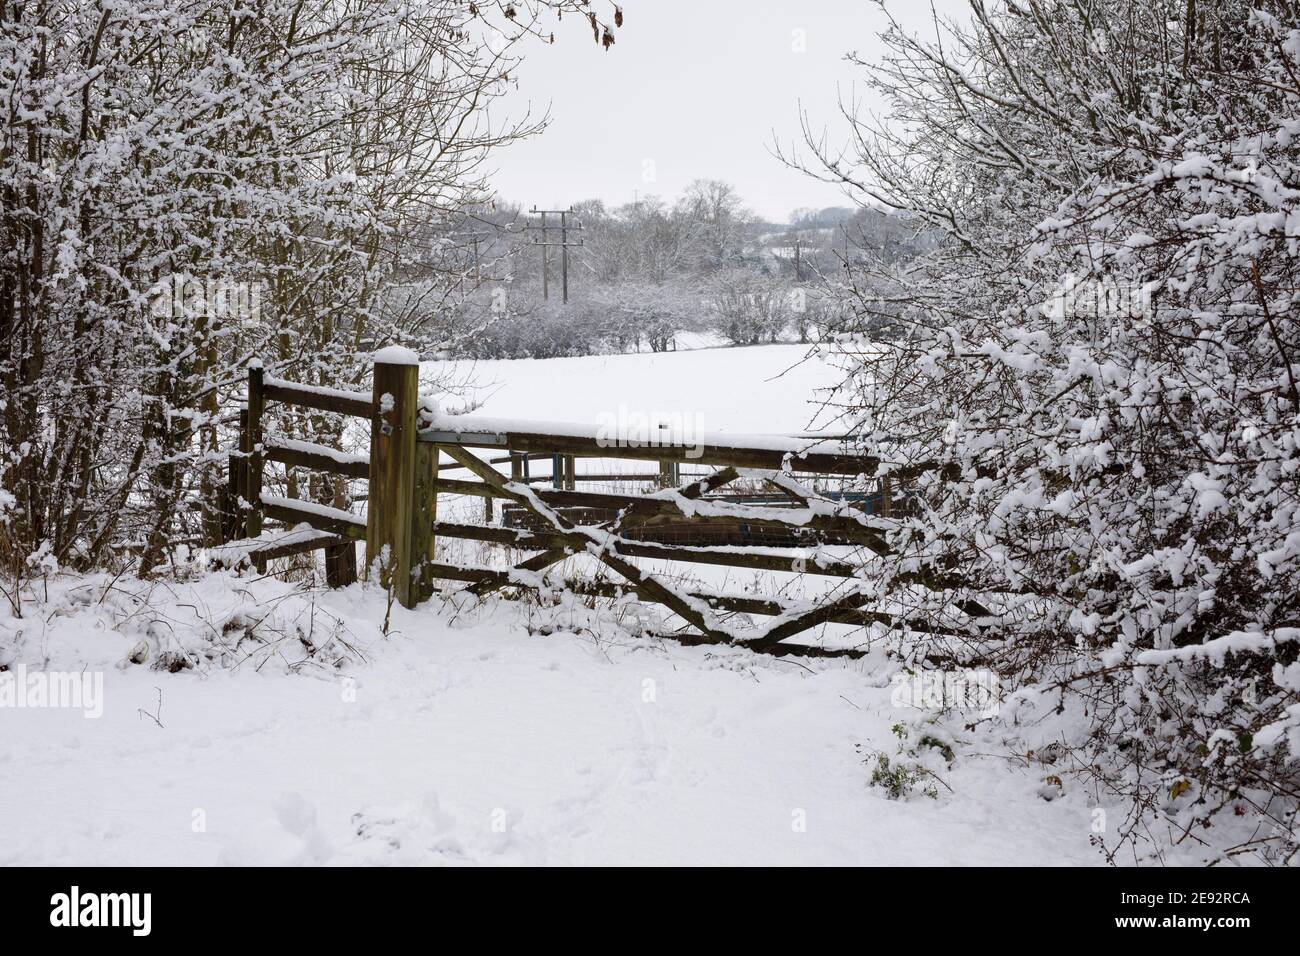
{"points": [[564, 244], [546, 264], [564, 252]]}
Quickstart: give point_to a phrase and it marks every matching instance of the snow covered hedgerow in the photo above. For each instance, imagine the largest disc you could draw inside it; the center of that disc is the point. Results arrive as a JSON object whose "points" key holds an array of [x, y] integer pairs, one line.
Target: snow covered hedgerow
{"points": [[333, 139], [218, 621], [1092, 408]]}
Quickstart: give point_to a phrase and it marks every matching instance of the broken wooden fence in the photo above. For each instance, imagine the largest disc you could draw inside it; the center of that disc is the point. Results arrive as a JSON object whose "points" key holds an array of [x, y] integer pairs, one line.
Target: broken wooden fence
{"points": [[406, 473]]}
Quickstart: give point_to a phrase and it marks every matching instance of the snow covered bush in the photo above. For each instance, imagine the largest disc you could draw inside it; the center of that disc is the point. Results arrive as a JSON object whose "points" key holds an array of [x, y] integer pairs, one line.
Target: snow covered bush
{"points": [[750, 309], [190, 185], [1093, 398], [915, 767], [212, 622]]}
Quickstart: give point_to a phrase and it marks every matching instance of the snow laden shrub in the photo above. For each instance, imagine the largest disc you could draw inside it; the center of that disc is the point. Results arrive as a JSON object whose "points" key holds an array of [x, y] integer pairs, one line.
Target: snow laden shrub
{"points": [[1090, 410], [750, 309], [923, 752], [203, 625], [187, 186]]}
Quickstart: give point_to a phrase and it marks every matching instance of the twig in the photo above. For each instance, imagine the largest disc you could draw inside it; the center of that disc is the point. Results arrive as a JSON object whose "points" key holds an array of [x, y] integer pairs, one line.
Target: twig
{"points": [[156, 717]]}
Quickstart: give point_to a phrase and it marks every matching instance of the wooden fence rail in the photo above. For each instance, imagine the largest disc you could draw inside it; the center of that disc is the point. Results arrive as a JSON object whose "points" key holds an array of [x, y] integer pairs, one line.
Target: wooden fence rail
{"points": [[412, 450]]}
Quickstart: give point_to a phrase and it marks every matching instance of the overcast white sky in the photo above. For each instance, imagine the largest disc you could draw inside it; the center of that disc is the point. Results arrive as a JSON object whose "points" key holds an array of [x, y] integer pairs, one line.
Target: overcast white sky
{"points": [[692, 88]]}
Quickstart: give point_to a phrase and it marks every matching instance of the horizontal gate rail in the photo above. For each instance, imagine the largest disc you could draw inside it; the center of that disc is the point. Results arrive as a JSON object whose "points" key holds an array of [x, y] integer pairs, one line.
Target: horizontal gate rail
{"points": [[766, 452], [337, 400], [292, 511], [273, 545], [737, 604], [501, 460], [857, 528], [305, 454], [752, 558]]}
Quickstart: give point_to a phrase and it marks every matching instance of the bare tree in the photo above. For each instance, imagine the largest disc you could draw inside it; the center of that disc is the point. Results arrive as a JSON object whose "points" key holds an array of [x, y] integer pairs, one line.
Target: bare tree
{"points": [[156, 165]]}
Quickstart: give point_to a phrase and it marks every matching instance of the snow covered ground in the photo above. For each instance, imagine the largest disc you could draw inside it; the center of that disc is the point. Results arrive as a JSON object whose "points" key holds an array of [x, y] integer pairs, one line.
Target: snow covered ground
{"points": [[451, 742]]}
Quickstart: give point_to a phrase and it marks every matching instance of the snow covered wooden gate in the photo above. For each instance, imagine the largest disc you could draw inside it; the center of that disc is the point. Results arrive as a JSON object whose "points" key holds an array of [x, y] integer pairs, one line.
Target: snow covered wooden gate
{"points": [[416, 452]]}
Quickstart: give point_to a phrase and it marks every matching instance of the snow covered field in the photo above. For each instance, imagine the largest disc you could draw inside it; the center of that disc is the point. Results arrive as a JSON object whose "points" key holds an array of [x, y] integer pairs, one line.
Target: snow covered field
{"points": [[460, 743], [757, 389]]}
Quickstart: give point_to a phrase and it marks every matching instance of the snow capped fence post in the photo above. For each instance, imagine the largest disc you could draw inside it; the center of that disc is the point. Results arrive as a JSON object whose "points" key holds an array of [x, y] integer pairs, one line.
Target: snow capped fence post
{"points": [[390, 523]]}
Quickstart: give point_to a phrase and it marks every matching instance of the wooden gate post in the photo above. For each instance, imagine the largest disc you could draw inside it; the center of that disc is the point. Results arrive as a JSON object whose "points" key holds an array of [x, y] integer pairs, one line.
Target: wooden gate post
{"points": [[423, 515], [341, 559], [239, 478], [256, 405], [390, 520]]}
